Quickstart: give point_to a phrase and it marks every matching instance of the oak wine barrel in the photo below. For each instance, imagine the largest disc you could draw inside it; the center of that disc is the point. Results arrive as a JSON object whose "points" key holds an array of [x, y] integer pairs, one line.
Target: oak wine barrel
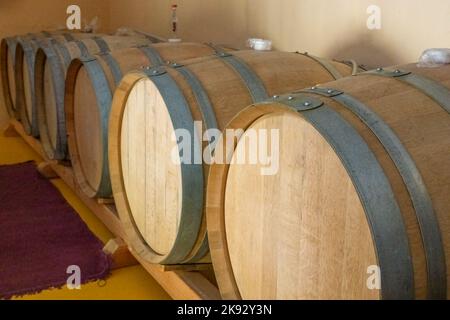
{"points": [[51, 65], [362, 186], [90, 85], [7, 66], [160, 199], [24, 73]]}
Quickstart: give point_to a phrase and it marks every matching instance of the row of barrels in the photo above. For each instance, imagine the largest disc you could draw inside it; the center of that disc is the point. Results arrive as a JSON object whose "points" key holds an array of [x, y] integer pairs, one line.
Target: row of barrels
{"points": [[363, 178]]}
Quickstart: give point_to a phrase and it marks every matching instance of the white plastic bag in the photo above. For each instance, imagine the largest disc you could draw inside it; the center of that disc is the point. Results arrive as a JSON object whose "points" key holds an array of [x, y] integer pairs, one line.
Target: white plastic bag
{"points": [[433, 58], [259, 44], [92, 26]]}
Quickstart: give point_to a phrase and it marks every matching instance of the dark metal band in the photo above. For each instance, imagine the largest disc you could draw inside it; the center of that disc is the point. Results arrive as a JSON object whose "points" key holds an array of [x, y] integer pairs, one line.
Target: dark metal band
{"points": [[354, 65], [431, 88], [104, 98], [59, 150], [151, 38], [192, 174], [209, 118], [152, 55], [210, 121], [83, 49], [113, 66], [68, 37], [325, 64], [251, 79], [382, 211], [62, 50], [216, 48], [201, 253], [201, 96], [30, 121], [101, 44], [426, 216]]}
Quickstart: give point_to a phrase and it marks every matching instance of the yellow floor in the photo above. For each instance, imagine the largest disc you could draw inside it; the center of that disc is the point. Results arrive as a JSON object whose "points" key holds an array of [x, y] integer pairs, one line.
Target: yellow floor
{"points": [[126, 283]]}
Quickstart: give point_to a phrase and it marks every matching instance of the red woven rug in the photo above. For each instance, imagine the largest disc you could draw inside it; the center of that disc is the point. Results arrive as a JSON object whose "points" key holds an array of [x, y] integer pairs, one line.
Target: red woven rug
{"points": [[41, 236]]}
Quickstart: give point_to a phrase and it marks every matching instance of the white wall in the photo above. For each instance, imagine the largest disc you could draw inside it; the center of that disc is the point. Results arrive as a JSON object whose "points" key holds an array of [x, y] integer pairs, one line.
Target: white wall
{"points": [[329, 28]]}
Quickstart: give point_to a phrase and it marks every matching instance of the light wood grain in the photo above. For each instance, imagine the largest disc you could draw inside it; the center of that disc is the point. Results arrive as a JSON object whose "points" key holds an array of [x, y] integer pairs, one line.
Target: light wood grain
{"points": [[422, 126], [291, 236], [88, 142], [424, 130], [152, 207], [119, 253], [279, 72], [46, 170], [10, 131]]}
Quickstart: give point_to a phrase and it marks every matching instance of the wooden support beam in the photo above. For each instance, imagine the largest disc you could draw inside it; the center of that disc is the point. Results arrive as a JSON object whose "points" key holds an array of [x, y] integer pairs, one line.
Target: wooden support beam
{"points": [[64, 163], [105, 201], [121, 256], [186, 267], [31, 141], [46, 170], [10, 132], [179, 284]]}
